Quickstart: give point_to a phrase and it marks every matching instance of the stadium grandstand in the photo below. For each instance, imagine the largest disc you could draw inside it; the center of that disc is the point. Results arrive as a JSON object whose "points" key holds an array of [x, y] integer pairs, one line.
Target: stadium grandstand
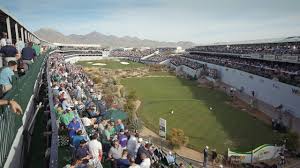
{"points": [[56, 112]]}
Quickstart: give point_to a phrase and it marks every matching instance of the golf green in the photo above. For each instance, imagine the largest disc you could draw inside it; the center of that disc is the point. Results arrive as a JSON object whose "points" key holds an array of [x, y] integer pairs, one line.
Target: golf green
{"points": [[222, 127]]}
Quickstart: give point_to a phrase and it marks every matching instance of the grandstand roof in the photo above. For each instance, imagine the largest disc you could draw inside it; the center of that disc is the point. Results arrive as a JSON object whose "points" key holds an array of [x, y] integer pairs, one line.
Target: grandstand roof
{"points": [[259, 41], [77, 45]]}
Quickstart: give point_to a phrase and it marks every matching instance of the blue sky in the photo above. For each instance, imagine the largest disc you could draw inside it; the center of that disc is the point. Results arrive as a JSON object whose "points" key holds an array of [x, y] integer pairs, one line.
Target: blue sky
{"points": [[200, 21]]}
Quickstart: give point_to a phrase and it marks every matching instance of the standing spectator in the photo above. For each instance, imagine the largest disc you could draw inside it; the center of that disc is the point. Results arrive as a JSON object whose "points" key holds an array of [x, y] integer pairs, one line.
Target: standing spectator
{"points": [[10, 53], [37, 49], [132, 145], [28, 55], [205, 156], [146, 162], [214, 156], [6, 77], [95, 148], [20, 45], [3, 39]]}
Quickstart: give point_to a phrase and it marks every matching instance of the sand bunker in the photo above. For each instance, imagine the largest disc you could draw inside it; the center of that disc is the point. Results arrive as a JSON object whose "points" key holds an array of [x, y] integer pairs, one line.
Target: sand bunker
{"points": [[124, 63], [99, 64], [89, 62]]}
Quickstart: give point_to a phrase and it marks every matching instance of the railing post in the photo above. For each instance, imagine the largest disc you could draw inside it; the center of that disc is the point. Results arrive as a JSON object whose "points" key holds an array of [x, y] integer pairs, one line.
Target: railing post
{"points": [[17, 32], [22, 34]]}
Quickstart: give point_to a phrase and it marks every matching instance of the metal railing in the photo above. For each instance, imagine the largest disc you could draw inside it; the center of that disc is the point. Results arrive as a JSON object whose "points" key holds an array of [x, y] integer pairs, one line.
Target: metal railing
{"points": [[10, 123]]}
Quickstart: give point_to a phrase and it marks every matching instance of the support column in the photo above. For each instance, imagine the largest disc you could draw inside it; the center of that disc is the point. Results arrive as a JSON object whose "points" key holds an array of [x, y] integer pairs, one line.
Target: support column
{"points": [[22, 34], [8, 28], [25, 36], [17, 32]]}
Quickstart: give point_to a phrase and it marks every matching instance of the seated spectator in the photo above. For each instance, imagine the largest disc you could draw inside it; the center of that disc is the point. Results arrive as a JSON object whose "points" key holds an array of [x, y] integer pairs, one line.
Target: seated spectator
{"points": [[123, 162], [82, 152], [95, 148], [28, 55], [146, 162], [101, 126], [77, 139], [6, 76], [73, 127], [67, 117], [119, 126], [10, 53]]}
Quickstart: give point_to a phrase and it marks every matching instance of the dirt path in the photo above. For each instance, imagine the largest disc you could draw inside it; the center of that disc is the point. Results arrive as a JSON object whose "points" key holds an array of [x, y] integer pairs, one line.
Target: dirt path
{"points": [[183, 151]]}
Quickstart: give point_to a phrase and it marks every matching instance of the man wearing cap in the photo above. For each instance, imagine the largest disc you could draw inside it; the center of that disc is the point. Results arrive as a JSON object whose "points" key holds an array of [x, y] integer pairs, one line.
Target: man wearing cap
{"points": [[6, 76], [10, 53]]}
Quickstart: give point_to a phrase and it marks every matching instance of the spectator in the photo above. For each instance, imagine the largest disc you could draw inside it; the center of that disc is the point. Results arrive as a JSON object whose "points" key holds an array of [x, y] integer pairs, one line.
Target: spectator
{"points": [[28, 55], [122, 139], [123, 162], [146, 162], [3, 39], [170, 159], [115, 151], [67, 117], [119, 125], [10, 53], [132, 145], [73, 127], [214, 156], [95, 148], [205, 156], [133, 164], [82, 152], [6, 77], [77, 139], [16, 108]]}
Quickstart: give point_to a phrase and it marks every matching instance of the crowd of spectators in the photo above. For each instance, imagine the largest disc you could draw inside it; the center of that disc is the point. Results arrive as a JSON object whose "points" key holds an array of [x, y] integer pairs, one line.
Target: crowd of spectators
{"points": [[157, 58], [291, 48], [131, 53], [282, 71], [94, 139], [179, 60], [16, 60]]}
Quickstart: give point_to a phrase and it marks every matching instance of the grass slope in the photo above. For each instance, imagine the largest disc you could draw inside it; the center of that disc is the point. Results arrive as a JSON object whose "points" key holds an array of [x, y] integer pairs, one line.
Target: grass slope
{"points": [[223, 127], [111, 64]]}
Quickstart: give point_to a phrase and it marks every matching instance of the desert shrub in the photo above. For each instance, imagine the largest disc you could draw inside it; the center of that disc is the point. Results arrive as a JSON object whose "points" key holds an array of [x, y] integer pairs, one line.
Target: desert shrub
{"points": [[177, 138]]}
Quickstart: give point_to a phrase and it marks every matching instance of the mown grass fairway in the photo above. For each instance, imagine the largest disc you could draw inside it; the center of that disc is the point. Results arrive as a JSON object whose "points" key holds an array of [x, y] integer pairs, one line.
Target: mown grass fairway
{"points": [[111, 64], [221, 128]]}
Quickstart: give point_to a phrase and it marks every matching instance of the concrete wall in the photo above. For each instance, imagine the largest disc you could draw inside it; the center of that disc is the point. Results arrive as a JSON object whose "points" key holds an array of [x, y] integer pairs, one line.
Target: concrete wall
{"points": [[267, 90]]}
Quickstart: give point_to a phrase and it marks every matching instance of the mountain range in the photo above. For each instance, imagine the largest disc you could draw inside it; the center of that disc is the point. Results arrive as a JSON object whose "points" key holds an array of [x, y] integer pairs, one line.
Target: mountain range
{"points": [[52, 35]]}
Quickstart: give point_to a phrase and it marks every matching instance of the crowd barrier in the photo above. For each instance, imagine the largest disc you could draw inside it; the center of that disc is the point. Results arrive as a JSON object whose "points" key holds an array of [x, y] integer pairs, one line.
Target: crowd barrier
{"points": [[13, 126]]}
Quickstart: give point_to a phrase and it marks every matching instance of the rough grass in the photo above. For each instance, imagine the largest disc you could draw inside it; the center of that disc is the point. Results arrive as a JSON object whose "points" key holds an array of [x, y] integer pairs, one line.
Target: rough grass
{"points": [[222, 128]]}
